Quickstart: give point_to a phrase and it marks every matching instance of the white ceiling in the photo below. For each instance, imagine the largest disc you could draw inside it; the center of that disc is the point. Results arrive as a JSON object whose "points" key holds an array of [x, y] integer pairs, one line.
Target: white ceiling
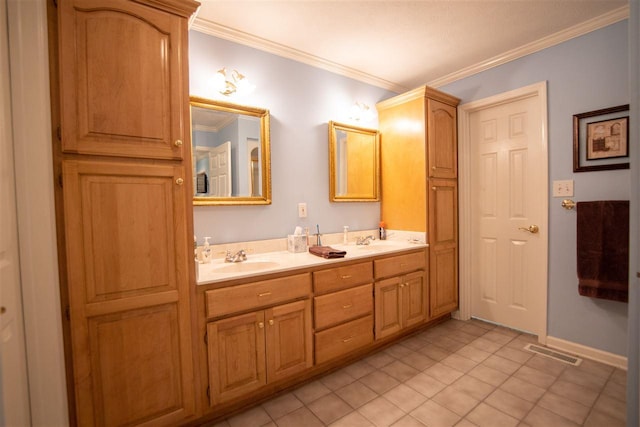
{"points": [[399, 44]]}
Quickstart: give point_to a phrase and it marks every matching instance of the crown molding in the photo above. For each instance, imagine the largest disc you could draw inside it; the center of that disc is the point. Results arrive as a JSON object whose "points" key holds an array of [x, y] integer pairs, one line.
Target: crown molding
{"points": [[220, 31], [583, 28]]}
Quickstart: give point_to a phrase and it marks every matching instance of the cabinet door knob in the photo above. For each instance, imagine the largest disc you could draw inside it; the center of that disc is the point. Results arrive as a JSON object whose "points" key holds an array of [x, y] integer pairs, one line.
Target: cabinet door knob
{"points": [[434, 188], [179, 181], [270, 322], [433, 168], [178, 143], [260, 325]]}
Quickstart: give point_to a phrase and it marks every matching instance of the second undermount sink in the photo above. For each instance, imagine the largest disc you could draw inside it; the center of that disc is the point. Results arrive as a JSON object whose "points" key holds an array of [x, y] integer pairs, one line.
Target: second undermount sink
{"points": [[380, 247], [246, 266]]}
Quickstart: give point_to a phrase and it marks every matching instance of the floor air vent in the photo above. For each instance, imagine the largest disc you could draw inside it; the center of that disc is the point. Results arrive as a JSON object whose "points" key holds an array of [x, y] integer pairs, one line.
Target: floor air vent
{"points": [[561, 357]]}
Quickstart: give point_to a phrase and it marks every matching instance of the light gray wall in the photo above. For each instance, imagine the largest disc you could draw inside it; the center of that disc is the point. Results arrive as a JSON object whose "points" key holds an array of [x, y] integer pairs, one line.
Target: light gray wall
{"points": [[301, 99], [584, 74]]}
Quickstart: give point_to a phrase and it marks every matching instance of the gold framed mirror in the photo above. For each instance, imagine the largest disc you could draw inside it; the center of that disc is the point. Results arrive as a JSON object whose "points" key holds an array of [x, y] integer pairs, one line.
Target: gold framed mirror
{"points": [[231, 152], [354, 163]]}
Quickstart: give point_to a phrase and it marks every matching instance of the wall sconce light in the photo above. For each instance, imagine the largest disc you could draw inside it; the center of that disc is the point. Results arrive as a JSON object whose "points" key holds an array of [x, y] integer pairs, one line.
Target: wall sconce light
{"points": [[361, 112], [230, 82]]}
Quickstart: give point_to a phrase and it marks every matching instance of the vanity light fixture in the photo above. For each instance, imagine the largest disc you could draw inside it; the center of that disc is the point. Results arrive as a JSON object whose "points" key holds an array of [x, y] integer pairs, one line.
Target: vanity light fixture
{"points": [[361, 112], [230, 82]]}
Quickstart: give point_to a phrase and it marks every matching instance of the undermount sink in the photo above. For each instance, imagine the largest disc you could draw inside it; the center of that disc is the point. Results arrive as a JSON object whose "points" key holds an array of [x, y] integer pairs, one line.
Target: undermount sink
{"points": [[246, 266]]}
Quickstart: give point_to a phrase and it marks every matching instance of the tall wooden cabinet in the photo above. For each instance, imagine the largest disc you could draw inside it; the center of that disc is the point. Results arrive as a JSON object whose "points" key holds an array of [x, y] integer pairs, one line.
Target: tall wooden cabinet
{"points": [[121, 113], [419, 181]]}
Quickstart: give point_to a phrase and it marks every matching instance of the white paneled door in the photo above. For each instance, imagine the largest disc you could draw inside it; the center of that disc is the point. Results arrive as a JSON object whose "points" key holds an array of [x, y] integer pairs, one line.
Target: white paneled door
{"points": [[508, 220], [14, 391]]}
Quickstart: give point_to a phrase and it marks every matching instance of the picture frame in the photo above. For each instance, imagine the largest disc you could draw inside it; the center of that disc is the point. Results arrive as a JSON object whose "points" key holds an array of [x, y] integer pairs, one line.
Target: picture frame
{"points": [[601, 139]]}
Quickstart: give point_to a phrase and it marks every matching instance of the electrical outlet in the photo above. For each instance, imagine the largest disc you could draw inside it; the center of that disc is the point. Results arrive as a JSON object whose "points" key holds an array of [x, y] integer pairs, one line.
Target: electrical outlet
{"points": [[563, 188], [302, 210]]}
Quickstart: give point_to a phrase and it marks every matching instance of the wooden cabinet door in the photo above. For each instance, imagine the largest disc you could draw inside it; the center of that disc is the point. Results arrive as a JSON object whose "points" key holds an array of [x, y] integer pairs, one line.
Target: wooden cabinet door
{"points": [[441, 140], [388, 307], [443, 246], [414, 292], [443, 280], [236, 356], [123, 71], [126, 252], [289, 339]]}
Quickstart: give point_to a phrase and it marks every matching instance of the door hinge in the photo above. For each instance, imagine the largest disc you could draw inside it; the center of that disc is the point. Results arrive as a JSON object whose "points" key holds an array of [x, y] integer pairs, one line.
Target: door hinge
{"points": [[59, 133], [67, 313], [206, 338], [208, 392], [60, 180], [55, 3]]}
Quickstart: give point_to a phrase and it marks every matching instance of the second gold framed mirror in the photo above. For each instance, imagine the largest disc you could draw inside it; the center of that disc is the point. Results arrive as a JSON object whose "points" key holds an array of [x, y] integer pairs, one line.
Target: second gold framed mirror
{"points": [[354, 163]]}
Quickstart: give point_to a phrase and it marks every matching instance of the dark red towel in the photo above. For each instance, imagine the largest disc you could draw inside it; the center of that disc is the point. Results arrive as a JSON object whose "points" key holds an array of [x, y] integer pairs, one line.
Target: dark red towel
{"points": [[603, 249], [327, 252]]}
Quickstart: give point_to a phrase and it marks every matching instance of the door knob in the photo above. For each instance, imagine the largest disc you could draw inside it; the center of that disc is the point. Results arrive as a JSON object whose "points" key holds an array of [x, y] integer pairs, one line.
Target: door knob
{"points": [[533, 229]]}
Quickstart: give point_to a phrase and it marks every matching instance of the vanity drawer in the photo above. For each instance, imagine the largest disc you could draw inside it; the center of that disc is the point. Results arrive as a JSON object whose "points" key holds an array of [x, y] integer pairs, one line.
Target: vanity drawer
{"points": [[338, 307], [343, 339], [257, 294], [334, 279], [400, 264]]}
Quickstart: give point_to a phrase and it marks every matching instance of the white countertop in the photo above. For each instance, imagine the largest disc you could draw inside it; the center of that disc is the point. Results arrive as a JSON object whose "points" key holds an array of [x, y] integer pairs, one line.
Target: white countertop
{"points": [[273, 262]]}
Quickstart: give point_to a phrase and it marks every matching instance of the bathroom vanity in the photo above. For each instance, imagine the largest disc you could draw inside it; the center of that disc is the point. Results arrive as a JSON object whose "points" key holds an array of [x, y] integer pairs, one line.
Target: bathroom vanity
{"points": [[293, 317]]}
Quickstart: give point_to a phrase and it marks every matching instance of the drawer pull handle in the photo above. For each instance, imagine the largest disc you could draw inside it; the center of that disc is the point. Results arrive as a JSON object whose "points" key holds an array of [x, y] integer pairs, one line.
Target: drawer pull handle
{"points": [[345, 340], [346, 276], [264, 294], [270, 322], [260, 325], [403, 264], [347, 306]]}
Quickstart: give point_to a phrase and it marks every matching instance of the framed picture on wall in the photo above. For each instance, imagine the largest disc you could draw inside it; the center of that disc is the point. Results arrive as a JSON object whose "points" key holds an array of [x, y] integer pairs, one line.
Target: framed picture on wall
{"points": [[601, 139]]}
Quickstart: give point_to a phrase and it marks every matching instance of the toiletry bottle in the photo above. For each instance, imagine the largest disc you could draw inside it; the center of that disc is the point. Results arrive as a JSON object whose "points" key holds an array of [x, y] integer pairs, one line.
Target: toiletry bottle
{"points": [[345, 234], [383, 231], [207, 250]]}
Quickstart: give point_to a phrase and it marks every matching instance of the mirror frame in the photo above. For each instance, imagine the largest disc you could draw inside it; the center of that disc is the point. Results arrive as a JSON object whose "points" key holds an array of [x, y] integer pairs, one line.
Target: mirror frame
{"points": [[265, 145], [333, 167]]}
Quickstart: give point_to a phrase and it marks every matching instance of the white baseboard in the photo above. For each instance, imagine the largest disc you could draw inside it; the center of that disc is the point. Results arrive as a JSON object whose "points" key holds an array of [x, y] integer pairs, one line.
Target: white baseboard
{"points": [[588, 352]]}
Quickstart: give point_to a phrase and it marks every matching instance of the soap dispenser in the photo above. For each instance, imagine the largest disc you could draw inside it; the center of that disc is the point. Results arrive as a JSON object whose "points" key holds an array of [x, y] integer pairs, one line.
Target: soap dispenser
{"points": [[207, 251], [345, 235]]}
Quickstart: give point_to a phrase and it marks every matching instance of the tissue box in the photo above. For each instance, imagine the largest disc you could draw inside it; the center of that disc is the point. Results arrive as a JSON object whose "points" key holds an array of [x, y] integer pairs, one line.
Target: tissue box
{"points": [[296, 243]]}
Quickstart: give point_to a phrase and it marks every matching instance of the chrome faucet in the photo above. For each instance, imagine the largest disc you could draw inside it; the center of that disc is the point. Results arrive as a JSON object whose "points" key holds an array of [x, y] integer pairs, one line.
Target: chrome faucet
{"points": [[364, 240], [239, 256]]}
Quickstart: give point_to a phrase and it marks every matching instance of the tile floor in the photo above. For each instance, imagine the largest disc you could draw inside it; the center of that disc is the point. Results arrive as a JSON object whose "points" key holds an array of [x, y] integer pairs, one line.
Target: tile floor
{"points": [[459, 373]]}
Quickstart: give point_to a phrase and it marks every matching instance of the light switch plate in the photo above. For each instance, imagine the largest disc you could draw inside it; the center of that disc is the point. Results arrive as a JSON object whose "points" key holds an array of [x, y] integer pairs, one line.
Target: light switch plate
{"points": [[563, 188]]}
